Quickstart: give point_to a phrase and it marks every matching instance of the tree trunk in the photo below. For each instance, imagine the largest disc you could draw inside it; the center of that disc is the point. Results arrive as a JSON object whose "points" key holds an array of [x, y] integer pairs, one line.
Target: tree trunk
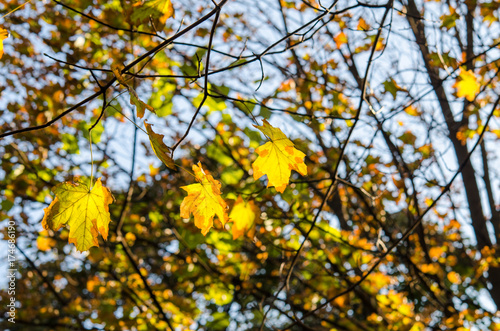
{"points": [[461, 151]]}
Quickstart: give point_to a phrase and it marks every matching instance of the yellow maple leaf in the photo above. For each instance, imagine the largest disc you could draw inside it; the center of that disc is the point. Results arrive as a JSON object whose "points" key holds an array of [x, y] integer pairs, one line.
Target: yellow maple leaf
{"points": [[244, 215], [85, 211], [277, 158], [468, 85], [4, 34], [161, 150], [204, 200]]}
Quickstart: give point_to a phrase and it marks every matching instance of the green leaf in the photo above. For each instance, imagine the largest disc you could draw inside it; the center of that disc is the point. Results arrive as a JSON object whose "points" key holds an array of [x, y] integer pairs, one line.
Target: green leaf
{"points": [[232, 176], [392, 87]]}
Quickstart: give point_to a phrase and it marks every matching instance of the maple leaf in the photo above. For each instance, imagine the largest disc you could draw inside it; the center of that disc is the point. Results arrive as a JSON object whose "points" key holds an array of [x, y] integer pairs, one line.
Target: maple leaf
{"points": [[161, 9], [161, 150], [4, 34], [85, 211], [244, 215], [277, 158], [140, 105], [467, 86], [204, 200]]}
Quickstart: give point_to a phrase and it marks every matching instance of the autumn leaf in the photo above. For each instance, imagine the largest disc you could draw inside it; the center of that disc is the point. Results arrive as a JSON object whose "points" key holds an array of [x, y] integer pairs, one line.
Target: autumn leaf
{"points": [[160, 9], [44, 242], [392, 87], [140, 105], [244, 215], [161, 150], [204, 201], [85, 211], [277, 158], [3, 35], [453, 277], [340, 39], [468, 85]]}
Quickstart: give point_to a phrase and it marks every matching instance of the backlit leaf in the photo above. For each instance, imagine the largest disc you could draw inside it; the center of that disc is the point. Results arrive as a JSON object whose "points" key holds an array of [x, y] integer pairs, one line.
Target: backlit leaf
{"points": [[140, 105], [340, 39], [468, 85], [160, 9], [277, 158], [243, 215], [3, 35], [453, 277], [44, 242], [204, 200], [85, 211], [161, 150]]}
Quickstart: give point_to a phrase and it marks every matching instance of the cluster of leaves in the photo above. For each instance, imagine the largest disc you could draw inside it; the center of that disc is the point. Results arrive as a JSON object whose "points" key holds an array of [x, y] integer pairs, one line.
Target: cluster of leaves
{"points": [[378, 233], [86, 212]]}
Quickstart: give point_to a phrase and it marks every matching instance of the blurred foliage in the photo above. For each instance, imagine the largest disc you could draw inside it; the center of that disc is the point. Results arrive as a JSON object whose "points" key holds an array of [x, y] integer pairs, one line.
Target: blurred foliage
{"points": [[431, 87]]}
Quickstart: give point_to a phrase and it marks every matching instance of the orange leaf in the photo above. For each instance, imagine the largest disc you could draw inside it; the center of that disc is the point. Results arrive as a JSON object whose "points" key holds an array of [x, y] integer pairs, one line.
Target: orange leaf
{"points": [[453, 277], [204, 201], [4, 34], [340, 39], [44, 242]]}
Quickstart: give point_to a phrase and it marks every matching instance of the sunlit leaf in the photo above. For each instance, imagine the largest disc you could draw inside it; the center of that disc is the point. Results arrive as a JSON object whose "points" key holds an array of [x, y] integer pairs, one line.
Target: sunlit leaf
{"points": [[204, 200], [277, 158], [340, 39], [140, 105], [243, 215], [3, 35], [44, 242], [85, 211], [467, 86], [160, 9], [453, 277]]}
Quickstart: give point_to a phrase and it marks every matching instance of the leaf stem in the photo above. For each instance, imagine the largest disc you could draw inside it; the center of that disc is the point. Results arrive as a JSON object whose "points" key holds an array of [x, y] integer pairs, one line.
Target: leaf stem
{"points": [[91, 161]]}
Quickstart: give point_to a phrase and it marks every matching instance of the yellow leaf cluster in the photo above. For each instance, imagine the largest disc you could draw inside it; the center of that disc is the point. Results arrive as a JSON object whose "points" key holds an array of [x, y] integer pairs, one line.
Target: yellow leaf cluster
{"points": [[277, 158], [204, 200], [85, 211]]}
